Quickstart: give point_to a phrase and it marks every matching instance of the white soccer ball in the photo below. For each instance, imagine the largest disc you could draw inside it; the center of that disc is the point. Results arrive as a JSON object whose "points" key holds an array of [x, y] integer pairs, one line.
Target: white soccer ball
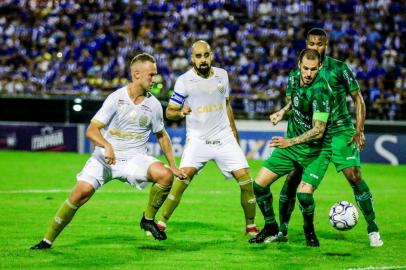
{"points": [[343, 216]]}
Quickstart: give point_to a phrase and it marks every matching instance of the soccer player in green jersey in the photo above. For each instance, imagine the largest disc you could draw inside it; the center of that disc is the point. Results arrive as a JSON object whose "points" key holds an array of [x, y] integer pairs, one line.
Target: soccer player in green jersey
{"points": [[347, 142], [303, 147]]}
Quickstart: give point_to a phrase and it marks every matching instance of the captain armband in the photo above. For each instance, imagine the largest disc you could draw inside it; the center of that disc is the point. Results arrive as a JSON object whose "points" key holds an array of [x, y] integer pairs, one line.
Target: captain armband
{"points": [[321, 116]]}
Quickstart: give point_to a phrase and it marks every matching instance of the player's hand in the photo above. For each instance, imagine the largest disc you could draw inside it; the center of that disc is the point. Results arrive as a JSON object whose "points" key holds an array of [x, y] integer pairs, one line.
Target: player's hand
{"points": [[276, 117], [359, 139], [280, 142], [186, 110], [179, 173], [109, 155]]}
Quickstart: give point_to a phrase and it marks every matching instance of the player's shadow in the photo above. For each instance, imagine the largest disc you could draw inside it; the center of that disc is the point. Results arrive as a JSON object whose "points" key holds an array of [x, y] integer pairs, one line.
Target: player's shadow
{"points": [[195, 237]]}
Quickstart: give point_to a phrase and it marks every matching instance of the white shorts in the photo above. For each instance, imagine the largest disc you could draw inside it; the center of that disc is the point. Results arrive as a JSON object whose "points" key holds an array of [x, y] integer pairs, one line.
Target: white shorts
{"points": [[133, 171], [226, 153]]}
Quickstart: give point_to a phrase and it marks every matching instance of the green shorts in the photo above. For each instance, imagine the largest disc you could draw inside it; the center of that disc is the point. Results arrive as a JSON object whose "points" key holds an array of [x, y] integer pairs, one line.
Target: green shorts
{"points": [[315, 171], [283, 161], [345, 154]]}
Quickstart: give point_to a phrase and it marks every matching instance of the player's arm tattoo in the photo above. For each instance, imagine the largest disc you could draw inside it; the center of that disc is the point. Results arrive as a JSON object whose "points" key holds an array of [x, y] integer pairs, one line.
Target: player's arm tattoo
{"points": [[360, 110], [288, 106], [315, 133]]}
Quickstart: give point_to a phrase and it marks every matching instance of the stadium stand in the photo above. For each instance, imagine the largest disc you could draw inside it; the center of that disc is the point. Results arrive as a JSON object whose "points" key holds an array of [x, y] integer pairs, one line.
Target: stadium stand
{"points": [[83, 47]]}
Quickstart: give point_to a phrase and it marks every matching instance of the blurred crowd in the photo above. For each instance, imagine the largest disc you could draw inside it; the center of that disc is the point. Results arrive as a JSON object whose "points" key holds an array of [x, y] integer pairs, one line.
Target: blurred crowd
{"points": [[83, 47]]}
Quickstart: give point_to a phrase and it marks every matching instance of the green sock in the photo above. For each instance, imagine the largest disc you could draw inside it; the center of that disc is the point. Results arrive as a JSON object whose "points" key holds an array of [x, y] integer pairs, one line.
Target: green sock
{"points": [[157, 197], [247, 199], [287, 199], [264, 200], [62, 218], [306, 205], [173, 199], [363, 197]]}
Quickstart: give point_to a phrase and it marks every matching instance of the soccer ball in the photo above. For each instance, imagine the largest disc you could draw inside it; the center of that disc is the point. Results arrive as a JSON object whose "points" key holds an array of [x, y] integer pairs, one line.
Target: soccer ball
{"points": [[343, 216]]}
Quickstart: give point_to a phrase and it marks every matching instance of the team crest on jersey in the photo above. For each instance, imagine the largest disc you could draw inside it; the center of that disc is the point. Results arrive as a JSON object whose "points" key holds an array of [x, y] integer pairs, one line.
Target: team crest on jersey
{"points": [[221, 87], [143, 122], [132, 115], [296, 101]]}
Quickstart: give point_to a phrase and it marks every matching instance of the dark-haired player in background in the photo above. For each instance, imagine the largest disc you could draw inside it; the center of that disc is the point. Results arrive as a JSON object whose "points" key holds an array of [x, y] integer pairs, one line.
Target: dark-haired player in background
{"points": [[346, 144]]}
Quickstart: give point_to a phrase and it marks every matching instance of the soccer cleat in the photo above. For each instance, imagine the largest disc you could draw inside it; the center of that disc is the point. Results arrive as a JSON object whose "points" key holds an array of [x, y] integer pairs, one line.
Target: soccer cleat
{"points": [[282, 237], [161, 226], [311, 238], [252, 230], [41, 245], [150, 226], [375, 239], [268, 234]]}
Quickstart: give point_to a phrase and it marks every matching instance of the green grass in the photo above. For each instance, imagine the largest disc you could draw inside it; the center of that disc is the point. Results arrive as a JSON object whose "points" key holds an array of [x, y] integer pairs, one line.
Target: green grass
{"points": [[205, 232]]}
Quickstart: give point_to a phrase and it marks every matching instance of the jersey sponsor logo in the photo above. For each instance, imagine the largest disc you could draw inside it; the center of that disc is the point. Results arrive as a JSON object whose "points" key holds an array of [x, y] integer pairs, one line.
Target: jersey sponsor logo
{"points": [[121, 133], [209, 108], [350, 158]]}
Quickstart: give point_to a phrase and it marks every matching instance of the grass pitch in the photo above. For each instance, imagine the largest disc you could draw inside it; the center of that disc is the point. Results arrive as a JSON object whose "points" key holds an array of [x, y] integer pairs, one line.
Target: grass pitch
{"points": [[205, 232]]}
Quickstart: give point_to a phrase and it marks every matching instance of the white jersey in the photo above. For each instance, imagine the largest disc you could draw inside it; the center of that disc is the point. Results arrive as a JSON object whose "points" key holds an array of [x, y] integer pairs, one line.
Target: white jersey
{"points": [[207, 99], [128, 126]]}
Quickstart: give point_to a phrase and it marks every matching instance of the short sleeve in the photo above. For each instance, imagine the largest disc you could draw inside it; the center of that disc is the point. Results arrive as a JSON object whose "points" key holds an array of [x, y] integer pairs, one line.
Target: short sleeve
{"points": [[349, 79], [323, 98], [106, 112], [179, 94], [158, 119], [226, 85]]}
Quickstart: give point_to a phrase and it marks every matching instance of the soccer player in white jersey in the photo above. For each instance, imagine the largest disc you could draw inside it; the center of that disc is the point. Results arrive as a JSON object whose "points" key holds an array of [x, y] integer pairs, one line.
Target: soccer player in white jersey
{"points": [[201, 95], [128, 116]]}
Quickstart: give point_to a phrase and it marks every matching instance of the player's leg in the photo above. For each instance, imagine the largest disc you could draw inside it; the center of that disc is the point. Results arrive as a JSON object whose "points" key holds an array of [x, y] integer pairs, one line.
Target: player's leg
{"points": [[363, 197], [312, 176], [195, 155], [80, 194], [162, 177], [307, 206], [287, 200], [346, 158], [247, 199], [264, 200], [172, 201]]}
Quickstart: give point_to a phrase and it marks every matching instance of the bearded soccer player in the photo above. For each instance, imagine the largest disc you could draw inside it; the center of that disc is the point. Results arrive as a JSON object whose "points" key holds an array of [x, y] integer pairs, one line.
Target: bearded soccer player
{"points": [[347, 142], [303, 147], [129, 115], [202, 96]]}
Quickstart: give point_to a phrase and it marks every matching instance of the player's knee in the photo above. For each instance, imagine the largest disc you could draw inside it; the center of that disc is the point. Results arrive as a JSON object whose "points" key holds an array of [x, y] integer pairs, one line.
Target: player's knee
{"points": [[164, 176], [353, 175], [81, 195]]}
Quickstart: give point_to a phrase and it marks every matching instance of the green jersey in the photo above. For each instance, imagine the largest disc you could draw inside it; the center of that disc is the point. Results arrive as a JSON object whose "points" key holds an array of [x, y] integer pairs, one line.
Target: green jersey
{"points": [[307, 100], [343, 82]]}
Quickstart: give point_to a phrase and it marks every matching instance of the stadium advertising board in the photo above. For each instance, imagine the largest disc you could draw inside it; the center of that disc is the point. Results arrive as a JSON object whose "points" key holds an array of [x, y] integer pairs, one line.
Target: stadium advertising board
{"points": [[380, 148], [36, 137]]}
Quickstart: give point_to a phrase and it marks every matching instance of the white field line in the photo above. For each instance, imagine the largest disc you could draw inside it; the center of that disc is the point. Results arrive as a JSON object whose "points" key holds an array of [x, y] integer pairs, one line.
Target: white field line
{"points": [[39, 191], [380, 267]]}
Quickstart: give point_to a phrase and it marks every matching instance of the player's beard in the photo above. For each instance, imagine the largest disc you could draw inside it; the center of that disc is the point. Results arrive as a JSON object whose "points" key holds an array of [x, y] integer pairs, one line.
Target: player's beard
{"points": [[305, 81], [204, 71]]}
